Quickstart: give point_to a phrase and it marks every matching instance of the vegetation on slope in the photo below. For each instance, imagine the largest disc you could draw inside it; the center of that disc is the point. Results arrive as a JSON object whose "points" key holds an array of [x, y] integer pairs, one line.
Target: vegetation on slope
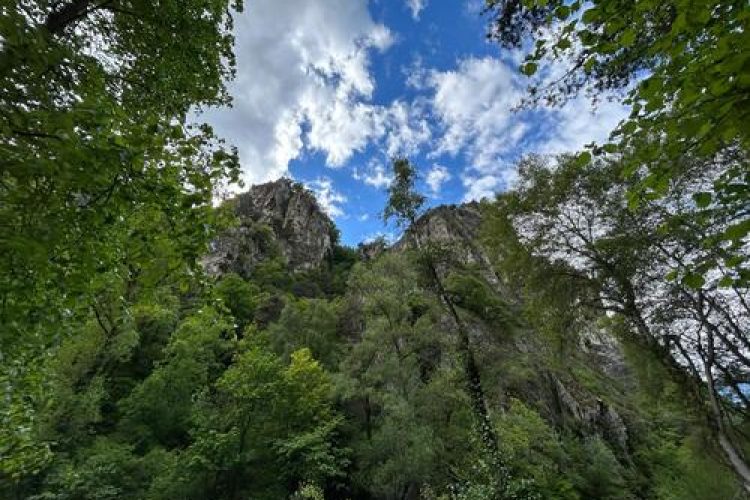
{"points": [[128, 373]]}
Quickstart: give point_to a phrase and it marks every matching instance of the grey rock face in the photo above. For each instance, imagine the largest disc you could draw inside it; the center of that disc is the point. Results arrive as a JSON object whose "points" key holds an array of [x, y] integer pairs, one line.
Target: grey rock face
{"points": [[456, 229], [371, 250], [595, 416], [276, 217]]}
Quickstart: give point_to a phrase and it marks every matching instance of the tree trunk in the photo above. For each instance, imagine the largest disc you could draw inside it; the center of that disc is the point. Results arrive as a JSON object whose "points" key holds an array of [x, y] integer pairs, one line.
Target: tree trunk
{"points": [[733, 455], [58, 20], [471, 370], [645, 338]]}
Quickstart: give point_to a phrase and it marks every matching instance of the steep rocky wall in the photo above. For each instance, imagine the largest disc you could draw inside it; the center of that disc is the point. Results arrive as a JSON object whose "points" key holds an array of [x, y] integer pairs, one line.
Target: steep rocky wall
{"points": [[456, 230], [276, 217]]}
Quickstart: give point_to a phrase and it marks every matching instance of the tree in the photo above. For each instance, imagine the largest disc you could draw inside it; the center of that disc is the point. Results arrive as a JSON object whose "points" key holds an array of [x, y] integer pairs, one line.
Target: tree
{"points": [[242, 298], [400, 381], [265, 429], [94, 138], [104, 185], [405, 204], [686, 83], [308, 324], [573, 215]]}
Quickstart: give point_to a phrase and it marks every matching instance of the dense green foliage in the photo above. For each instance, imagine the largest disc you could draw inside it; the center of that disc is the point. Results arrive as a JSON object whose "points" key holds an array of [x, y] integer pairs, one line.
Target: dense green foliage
{"points": [[593, 352], [684, 67], [598, 257], [179, 402]]}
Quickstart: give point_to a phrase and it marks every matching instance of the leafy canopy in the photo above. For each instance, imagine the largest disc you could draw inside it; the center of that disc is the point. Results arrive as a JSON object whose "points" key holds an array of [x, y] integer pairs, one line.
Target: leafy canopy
{"points": [[684, 68]]}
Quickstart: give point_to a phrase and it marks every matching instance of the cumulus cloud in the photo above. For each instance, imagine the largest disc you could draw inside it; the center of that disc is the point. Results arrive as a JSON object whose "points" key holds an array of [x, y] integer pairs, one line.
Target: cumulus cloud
{"points": [[373, 175], [436, 177], [328, 197], [303, 82], [415, 74], [486, 184], [408, 127], [474, 103], [474, 109], [577, 124], [388, 236], [416, 7]]}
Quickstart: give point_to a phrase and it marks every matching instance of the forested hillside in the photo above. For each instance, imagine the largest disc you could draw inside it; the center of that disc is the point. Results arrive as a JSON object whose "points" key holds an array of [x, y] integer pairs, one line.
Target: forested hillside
{"points": [[583, 335]]}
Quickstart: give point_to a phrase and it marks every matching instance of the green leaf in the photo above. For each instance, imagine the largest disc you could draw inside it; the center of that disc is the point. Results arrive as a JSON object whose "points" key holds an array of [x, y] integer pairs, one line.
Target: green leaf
{"points": [[735, 260], [629, 127], [702, 200], [562, 12], [591, 16], [726, 282], [737, 231], [694, 281], [627, 38], [588, 66], [529, 68], [583, 159]]}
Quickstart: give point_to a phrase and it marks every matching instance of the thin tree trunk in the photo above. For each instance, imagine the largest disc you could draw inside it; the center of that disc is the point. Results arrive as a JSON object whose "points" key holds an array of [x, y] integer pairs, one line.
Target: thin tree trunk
{"points": [[471, 370], [58, 20], [733, 456]]}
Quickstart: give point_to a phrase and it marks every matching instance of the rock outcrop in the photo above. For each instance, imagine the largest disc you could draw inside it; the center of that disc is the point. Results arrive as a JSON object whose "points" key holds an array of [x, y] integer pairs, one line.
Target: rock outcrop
{"points": [[282, 218], [456, 230], [277, 218]]}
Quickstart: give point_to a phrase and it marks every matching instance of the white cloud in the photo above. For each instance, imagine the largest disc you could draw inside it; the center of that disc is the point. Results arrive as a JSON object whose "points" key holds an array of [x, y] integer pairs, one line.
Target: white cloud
{"points": [[408, 128], [474, 108], [303, 82], [416, 7], [388, 236], [485, 184], [578, 124], [328, 198], [415, 74], [373, 175], [436, 177], [474, 7]]}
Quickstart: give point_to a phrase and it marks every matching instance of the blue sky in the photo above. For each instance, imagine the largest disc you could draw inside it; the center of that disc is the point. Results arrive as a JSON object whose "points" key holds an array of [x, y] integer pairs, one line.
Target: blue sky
{"points": [[328, 90]]}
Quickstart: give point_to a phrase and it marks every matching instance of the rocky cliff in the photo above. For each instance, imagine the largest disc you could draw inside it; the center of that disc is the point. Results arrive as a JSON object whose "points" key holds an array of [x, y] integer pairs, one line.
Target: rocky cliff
{"points": [[279, 218], [455, 230], [283, 219]]}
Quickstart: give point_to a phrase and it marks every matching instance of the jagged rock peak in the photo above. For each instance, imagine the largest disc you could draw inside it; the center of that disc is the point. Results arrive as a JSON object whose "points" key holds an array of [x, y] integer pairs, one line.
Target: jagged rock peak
{"points": [[279, 217], [445, 224], [456, 227]]}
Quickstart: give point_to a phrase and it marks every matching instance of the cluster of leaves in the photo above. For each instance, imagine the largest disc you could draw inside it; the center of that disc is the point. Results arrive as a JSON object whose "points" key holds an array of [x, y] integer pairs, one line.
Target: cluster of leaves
{"points": [[171, 404], [196, 394], [105, 188], [126, 374], [687, 87], [580, 253], [101, 172]]}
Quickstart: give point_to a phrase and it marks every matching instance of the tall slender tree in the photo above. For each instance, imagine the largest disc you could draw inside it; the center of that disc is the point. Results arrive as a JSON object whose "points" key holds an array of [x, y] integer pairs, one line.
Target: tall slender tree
{"points": [[405, 205]]}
